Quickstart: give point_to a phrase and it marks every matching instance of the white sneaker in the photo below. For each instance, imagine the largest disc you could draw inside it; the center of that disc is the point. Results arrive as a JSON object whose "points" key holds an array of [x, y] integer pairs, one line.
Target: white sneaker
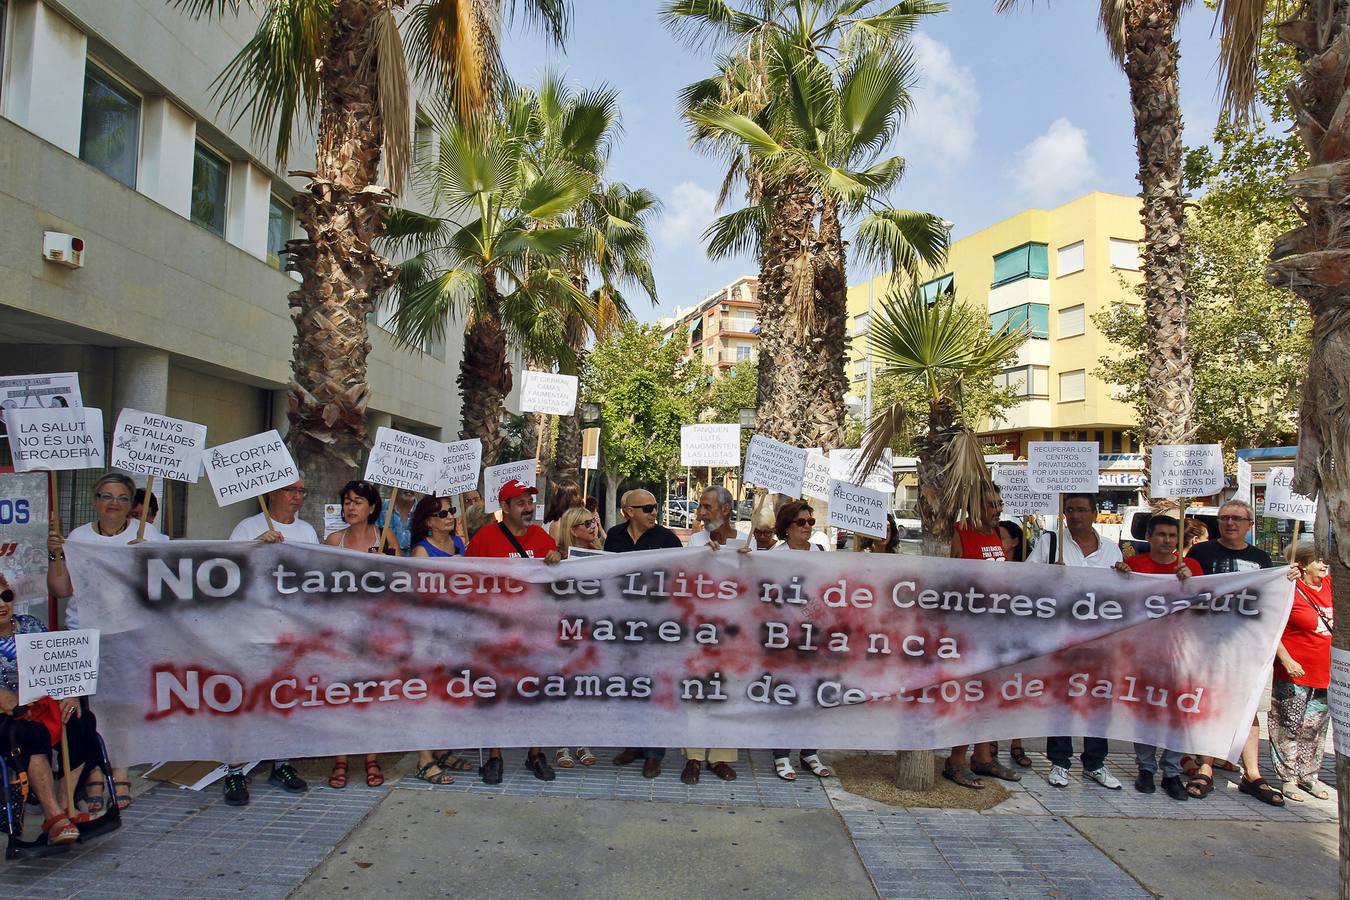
{"points": [[1058, 777], [1103, 777]]}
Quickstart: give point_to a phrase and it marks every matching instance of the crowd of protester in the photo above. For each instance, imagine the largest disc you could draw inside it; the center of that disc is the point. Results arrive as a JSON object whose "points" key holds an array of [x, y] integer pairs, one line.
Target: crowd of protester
{"points": [[434, 527]]}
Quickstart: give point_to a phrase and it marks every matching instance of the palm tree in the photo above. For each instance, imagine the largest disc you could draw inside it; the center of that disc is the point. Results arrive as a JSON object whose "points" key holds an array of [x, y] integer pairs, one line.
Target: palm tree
{"points": [[503, 268], [344, 65], [802, 112], [1141, 38]]}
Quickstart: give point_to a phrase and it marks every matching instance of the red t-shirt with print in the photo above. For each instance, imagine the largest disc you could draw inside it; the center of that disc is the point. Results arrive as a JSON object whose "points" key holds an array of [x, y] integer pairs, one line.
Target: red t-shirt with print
{"points": [[978, 545], [1142, 562], [491, 541], [1306, 636]]}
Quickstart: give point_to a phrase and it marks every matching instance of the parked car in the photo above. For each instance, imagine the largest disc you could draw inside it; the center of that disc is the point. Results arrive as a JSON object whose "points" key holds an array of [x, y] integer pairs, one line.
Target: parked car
{"points": [[680, 513], [907, 523], [1134, 524]]}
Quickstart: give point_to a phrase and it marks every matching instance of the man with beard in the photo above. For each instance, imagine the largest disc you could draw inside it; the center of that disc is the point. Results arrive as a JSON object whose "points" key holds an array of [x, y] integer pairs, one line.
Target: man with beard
{"points": [[714, 510]]}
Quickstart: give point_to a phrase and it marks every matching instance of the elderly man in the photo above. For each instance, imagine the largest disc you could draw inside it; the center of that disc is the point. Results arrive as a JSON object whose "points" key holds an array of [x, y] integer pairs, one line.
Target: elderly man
{"points": [[1083, 546], [714, 511], [283, 505], [639, 531]]}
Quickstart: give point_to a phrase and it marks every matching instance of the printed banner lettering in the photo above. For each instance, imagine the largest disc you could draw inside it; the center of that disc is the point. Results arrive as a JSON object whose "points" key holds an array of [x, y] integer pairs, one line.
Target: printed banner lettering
{"points": [[710, 445], [460, 461], [249, 467], [55, 440], [405, 461], [1282, 502], [150, 444], [57, 664], [545, 392], [253, 651], [496, 476], [1062, 467], [1186, 470], [775, 466]]}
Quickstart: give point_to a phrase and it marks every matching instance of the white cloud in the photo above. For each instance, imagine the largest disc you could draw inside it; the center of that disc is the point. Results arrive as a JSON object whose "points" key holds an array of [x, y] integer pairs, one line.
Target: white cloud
{"points": [[1056, 166], [688, 211], [940, 128]]}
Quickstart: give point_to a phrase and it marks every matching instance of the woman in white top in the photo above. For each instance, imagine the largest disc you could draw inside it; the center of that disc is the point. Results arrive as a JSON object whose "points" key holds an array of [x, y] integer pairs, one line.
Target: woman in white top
{"points": [[113, 494]]}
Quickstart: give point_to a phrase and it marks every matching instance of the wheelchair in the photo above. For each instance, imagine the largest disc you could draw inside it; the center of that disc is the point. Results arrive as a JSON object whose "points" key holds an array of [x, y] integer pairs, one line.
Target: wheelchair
{"points": [[14, 793]]}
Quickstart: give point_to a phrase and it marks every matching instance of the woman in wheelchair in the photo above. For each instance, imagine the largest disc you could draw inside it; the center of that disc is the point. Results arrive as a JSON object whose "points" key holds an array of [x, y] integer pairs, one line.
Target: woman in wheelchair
{"points": [[28, 734]]}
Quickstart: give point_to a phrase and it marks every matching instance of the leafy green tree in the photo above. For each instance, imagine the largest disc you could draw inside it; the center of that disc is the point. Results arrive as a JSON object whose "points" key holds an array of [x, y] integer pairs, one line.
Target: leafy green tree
{"points": [[735, 390], [979, 400]]}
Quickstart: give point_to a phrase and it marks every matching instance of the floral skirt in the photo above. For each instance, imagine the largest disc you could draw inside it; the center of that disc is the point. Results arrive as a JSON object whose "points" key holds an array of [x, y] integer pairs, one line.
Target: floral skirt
{"points": [[1298, 722]]}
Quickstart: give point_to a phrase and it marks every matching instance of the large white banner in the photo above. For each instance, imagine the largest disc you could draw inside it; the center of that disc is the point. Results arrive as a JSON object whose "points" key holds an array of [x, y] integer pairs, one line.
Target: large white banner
{"points": [[214, 650]]}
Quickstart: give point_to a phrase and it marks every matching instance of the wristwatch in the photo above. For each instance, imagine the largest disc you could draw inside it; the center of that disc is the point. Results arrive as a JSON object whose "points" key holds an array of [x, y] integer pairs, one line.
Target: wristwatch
{"points": [[53, 557]]}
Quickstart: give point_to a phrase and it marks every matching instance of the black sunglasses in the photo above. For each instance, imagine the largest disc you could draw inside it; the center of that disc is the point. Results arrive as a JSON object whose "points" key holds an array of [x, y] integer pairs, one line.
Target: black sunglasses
{"points": [[810, 523], [443, 513], [646, 507]]}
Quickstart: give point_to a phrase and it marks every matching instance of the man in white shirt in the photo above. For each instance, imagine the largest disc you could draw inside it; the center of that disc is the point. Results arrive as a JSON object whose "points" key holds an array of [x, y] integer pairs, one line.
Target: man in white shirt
{"points": [[283, 504], [1083, 546], [714, 511]]}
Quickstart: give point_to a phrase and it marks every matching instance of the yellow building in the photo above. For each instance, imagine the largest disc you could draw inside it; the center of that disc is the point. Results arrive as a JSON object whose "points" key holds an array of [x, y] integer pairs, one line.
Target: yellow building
{"points": [[1053, 269]]}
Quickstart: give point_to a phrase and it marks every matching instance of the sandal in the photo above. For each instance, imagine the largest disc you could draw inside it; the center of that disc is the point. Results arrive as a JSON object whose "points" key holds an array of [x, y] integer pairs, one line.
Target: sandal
{"points": [[442, 776], [585, 756], [123, 799], [782, 767], [1261, 790], [93, 802], [1290, 791], [995, 770], [374, 777], [564, 758], [1020, 757], [818, 768], [453, 763], [60, 830], [963, 777], [338, 778], [1315, 787], [1200, 786], [723, 771]]}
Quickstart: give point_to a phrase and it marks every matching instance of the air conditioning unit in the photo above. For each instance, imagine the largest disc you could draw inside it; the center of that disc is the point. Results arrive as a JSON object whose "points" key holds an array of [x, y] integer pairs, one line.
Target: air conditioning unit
{"points": [[63, 249]]}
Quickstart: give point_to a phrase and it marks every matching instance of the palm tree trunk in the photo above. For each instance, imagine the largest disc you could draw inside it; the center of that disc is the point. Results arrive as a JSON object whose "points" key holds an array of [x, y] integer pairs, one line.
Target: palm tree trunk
{"points": [[1314, 263], [485, 376], [567, 461], [801, 377], [934, 449], [340, 274], [1151, 67]]}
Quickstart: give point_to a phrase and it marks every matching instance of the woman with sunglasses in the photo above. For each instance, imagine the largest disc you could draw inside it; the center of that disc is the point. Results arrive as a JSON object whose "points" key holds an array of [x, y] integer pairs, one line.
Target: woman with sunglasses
{"points": [[113, 496], [361, 504], [793, 527], [576, 527], [434, 524]]}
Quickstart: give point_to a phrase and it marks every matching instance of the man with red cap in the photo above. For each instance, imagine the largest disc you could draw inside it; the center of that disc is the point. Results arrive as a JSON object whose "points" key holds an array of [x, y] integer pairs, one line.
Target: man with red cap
{"points": [[515, 535]]}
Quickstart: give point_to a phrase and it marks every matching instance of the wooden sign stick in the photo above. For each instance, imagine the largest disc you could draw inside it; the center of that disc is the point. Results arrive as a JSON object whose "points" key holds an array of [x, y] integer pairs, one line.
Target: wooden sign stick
{"points": [[145, 506], [68, 781], [1059, 540], [54, 504], [1181, 537], [388, 518], [267, 514]]}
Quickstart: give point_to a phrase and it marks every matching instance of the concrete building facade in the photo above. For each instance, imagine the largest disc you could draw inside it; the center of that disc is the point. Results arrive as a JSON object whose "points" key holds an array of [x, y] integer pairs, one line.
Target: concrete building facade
{"points": [[1051, 271], [109, 131], [723, 329]]}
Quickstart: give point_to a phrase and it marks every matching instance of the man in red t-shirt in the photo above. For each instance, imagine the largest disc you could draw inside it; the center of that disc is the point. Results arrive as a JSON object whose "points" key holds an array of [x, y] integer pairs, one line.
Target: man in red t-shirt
{"points": [[1162, 558], [515, 535]]}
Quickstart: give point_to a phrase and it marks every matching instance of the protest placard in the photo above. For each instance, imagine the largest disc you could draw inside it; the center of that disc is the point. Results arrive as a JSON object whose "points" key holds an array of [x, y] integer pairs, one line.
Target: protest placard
{"points": [[575, 553], [57, 390], [710, 445], [1018, 497], [1186, 470], [816, 478], [857, 509], [545, 392], [1282, 502], [150, 444], [1063, 467], [590, 448], [57, 664], [1244, 479], [844, 466], [460, 461], [496, 476], [405, 461], [55, 440], [249, 467], [23, 538], [774, 466], [332, 519]]}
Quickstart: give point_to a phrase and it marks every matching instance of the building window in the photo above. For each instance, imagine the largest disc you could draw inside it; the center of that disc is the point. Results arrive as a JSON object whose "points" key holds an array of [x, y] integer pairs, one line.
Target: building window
{"points": [[931, 290], [1124, 254], [1033, 317], [210, 185], [1026, 261], [1027, 382], [1073, 387], [744, 351], [110, 125], [862, 323], [1070, 259], [280, 226], [1072, 321], [860, 369]]}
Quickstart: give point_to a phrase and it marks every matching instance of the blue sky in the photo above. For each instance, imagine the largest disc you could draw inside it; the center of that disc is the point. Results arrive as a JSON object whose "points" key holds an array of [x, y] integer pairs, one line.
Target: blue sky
{"points": [[1012, 111]]}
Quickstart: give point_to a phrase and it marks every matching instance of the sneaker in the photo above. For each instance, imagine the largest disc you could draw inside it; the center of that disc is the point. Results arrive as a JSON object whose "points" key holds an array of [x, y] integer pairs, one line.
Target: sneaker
{"points": [[1104, 777], [1173, 788], [285, 777], [491, 771], [1144, 782], [1058, 777], [236, 789], [538, 764]]}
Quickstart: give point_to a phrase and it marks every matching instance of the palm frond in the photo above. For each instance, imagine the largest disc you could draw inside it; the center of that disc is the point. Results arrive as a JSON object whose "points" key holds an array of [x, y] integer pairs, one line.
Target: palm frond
{"points": [[719, 119], [737, 233], [1240, 23], [901, 240], [423, 299], [703, 22], [966, 483], [881, 432], [391, 79]]}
